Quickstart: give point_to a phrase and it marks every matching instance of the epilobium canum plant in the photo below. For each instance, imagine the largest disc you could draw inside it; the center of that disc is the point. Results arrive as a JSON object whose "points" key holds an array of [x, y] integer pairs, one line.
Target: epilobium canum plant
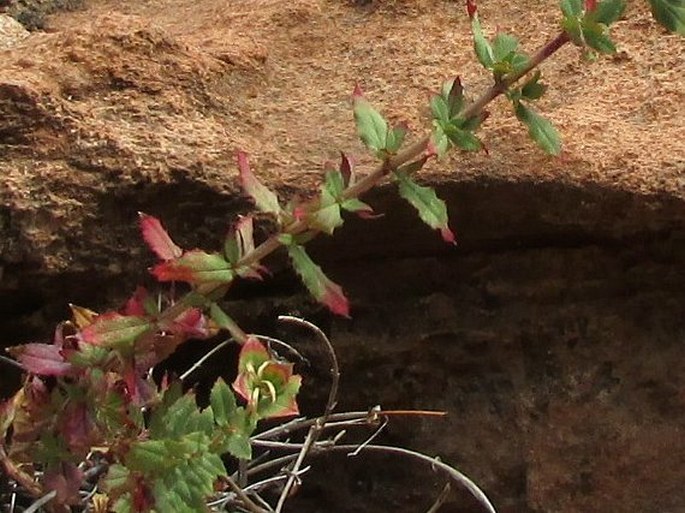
{"points": [[92, 430]]}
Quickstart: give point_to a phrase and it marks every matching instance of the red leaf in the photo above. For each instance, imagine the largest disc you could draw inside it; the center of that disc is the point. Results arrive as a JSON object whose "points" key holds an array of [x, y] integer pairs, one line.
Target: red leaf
{"points": [[77, 426], [142, 498], [268, 385], [195, 267], [431, 150], [357, 93], [252, 353], [334, 298], [157, 238], [318, 284], [41, 359], [448, 235], [65, 479], [264, 199], [590, 5], [346, 169], [191, 323], [299, 213], [135, 304], [471, 8]]}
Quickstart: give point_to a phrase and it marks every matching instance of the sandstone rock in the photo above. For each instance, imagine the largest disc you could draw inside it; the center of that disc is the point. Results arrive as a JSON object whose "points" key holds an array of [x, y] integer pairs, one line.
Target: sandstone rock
{"points": [[11, 32]]}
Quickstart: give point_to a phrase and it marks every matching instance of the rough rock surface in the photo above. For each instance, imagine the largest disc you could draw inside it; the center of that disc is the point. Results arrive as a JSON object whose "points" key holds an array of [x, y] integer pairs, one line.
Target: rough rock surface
{"points": [[11, 31], [553, 335]]}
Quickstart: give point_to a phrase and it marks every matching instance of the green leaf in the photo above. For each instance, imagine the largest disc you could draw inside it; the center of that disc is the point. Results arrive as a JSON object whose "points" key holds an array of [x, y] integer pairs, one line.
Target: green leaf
{"points": [[334, 183], [222, 402], [572, 8], [540, 129], [448, 104], [431, 209], [200, 422], [455, 96], [608, 11], [177, 416], [519, 61], [285, 400], [481, 45], [264, 199], [371, 125], [123, 504], [324, 290], [440, 140], [89, 356], [236, 433], [151, 457], [670, 14], [240, 240], [572, 27], [595, 36], [326, 219], [116, 478], [473, 122], [503, 45], [176, 421], [224, 321], [395, 139], [357, 206], [185, 487], [533, 89], [464, 139], [238, 445], [440, 109]]}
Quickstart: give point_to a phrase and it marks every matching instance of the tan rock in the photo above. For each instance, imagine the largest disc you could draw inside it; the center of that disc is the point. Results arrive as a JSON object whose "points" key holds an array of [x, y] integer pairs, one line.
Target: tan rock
{"points": [[11, 32]]}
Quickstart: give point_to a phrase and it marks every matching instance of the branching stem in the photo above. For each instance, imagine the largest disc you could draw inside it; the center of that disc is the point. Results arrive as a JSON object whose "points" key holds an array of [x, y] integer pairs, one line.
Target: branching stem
{"points": [[409, 154]]}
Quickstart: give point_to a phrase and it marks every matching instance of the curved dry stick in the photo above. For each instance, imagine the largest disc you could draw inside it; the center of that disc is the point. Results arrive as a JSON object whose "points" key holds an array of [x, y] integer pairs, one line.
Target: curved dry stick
{"points": [[240, 493], [358, 417], [12, 362], [202, 360], [451, 472], [441, 499], [335, 367], [41, 502], [317, 427], [353, 450], [285, 345]]}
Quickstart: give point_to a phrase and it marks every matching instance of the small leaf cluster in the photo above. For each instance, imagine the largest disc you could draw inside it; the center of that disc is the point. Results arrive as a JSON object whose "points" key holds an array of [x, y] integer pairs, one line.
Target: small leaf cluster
{"points": [[501, 55], [170, 458], [450, 128], [587, 23]]}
